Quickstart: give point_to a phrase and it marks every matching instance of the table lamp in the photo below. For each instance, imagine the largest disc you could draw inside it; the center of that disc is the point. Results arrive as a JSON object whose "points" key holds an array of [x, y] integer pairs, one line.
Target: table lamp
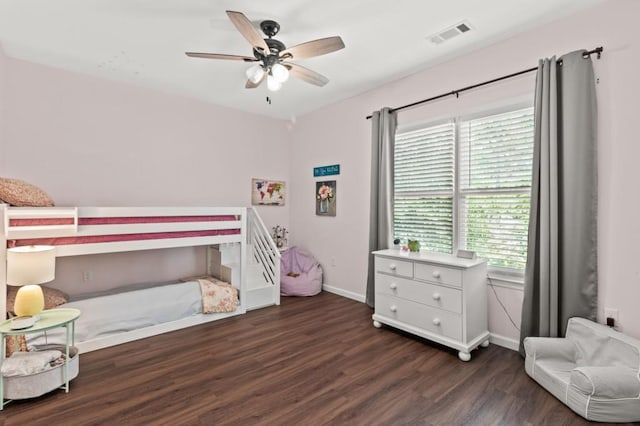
{"points": [[27, 267]]}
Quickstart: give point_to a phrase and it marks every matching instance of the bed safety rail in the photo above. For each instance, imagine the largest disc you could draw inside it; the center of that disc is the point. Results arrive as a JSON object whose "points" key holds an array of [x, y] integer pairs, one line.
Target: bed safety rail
{"points": [[54, 221]]}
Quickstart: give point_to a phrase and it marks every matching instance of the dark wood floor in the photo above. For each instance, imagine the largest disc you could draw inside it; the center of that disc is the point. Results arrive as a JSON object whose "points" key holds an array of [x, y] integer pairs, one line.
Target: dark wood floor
{"points": [[309, 361]]}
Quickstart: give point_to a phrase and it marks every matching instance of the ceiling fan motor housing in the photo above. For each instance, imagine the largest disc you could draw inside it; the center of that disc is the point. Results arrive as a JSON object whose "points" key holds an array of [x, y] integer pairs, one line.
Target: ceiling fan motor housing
{"points": [[272, 57], [269, 28]]}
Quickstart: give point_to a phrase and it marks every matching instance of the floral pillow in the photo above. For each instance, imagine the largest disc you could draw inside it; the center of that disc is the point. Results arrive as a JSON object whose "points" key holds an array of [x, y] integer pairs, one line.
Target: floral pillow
{"points": [[22, 194]]}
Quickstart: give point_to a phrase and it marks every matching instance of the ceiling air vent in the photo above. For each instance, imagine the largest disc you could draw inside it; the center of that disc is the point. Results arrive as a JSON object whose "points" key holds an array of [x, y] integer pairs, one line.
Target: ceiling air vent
{"points": [[449, 33]]}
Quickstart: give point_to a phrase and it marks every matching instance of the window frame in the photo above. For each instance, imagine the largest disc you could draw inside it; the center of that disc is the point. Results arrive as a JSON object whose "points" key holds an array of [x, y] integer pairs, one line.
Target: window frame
{"points": [[508, 276]]}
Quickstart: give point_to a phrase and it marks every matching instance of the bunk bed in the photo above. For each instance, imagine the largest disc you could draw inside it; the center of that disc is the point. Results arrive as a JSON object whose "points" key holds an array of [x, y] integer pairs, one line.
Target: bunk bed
{"points": [[77, 231]]}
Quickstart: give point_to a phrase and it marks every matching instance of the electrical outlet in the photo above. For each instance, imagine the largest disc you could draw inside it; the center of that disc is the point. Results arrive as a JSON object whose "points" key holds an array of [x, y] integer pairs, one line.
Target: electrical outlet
{"points": [[611, 313], [333, 261], [87, 275]]}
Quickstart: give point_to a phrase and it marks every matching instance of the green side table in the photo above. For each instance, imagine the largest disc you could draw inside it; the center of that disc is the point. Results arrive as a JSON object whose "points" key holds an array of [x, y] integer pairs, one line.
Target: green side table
{"points": [[49, 319]]}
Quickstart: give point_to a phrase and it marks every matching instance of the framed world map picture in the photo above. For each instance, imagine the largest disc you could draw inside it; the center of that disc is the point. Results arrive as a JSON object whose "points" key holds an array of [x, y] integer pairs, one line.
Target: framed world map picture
{"points": [[265, 192]]}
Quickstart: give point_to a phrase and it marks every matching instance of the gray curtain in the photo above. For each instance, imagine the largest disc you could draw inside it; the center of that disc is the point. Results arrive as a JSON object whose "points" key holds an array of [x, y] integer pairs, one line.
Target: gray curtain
{"points": [[561, 272], [383, 133]]}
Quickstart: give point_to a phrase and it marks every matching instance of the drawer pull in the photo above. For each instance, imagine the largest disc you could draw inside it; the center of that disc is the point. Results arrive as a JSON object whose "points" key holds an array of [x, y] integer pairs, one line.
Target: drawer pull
{"points": [[436, 321], [436, 296], [436, 274], [392, 266], [393, 286], [393, 308]]}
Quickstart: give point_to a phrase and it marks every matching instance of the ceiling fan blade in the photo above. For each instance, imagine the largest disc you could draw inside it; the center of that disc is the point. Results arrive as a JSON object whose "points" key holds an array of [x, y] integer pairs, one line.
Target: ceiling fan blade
{"points": [[306, 74], [220, 56], [248, 31], [313, 48], [251, 85]]}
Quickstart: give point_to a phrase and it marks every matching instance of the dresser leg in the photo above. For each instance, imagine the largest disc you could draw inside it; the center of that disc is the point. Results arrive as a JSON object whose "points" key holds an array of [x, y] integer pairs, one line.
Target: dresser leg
{"points": [[485, 344], [464, 356], [376, 324]]}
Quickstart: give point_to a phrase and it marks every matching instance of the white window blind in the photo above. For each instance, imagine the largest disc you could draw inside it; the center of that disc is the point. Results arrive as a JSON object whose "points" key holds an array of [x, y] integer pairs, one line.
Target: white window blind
{"points": [[424, 180], [488, 185], [496, 154]]}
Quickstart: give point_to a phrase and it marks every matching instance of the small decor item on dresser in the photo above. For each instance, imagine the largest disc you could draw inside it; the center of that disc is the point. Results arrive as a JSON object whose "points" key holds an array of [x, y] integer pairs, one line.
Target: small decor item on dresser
{"points": [[414, 245], [466, 254]]}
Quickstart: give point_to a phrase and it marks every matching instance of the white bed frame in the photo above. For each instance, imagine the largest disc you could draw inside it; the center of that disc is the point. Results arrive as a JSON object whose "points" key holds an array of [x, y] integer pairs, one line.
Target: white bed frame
{"points": [[252, 234]]}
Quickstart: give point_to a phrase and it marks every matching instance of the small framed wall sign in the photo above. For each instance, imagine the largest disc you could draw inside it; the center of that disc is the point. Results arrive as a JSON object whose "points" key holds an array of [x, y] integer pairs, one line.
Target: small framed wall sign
{"points": [[265, 192], [334, 169], [326, 198]]}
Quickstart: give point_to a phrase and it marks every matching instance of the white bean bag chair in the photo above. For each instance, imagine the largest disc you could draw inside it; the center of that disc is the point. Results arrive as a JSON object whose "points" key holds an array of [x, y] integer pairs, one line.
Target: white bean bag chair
{"points": [[300, 273], [595, 370]]}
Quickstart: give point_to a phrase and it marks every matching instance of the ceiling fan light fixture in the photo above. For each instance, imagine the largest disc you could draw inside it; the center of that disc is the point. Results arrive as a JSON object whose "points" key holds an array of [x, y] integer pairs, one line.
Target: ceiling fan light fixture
{"points": [[255, 73], [270, 56], [280, 72], [273, 84]]}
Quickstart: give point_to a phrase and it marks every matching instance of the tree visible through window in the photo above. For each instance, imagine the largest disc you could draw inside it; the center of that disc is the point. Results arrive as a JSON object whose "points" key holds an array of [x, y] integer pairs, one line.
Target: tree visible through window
{"points": [[466, 184]]}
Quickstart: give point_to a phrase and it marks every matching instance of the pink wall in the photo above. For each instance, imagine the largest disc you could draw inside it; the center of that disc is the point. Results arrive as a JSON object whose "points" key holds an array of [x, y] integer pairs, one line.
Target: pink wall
{"points": [[3, 66], [117, 144], [340, 134], [88, 141]]}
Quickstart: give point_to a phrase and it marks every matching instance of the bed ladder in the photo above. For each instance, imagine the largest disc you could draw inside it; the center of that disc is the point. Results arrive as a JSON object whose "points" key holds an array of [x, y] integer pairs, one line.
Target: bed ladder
{"points": [[262, 265], [263, 279]]}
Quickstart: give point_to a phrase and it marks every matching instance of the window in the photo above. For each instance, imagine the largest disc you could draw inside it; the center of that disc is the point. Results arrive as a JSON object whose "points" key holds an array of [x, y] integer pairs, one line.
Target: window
{"points": [[465, 184]]}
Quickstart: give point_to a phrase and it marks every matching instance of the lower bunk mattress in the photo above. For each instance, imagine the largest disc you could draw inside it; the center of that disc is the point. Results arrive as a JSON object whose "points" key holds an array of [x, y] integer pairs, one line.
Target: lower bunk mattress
{"points": [[112, 313]]}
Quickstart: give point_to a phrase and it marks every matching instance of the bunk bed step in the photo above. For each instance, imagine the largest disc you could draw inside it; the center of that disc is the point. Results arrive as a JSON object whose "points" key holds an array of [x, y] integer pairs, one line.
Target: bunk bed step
{"points": [[261, 297]]}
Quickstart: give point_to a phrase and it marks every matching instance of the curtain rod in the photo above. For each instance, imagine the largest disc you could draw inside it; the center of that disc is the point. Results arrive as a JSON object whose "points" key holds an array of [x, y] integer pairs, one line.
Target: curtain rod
{"points": [[456, 93]]}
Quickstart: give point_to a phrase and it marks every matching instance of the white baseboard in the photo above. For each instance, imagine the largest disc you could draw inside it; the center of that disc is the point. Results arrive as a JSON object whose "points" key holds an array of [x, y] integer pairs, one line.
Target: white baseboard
{"points": [[505, 342], [344, 293]]}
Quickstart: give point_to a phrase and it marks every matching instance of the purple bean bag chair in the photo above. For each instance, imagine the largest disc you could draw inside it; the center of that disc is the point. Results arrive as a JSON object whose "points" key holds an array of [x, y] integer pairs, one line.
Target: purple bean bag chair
{"points": [[300, 273]]}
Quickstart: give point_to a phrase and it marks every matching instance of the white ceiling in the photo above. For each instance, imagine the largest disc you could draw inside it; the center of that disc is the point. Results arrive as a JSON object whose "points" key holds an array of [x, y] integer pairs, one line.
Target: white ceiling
{"points": [[142, 42]]}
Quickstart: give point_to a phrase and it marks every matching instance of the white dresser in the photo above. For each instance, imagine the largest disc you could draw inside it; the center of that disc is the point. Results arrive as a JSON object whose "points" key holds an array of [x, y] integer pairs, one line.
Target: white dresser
{"points": [[439, 297]]}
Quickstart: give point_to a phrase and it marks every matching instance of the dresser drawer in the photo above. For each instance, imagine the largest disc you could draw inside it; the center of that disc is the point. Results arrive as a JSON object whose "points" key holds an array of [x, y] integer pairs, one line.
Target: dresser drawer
{"points": [[400, 268], [438, 274], [446, 298], [433, 320]]}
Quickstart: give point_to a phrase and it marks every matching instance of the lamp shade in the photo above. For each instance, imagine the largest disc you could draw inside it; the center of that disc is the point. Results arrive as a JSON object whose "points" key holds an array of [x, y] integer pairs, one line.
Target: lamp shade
{"points": [[273, 84], [280, 72], [255, 73], [30, 265]]}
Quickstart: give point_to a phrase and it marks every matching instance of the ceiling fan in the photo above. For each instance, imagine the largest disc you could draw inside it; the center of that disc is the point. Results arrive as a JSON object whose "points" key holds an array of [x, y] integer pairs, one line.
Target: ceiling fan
{"points": [[272, 57]]}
